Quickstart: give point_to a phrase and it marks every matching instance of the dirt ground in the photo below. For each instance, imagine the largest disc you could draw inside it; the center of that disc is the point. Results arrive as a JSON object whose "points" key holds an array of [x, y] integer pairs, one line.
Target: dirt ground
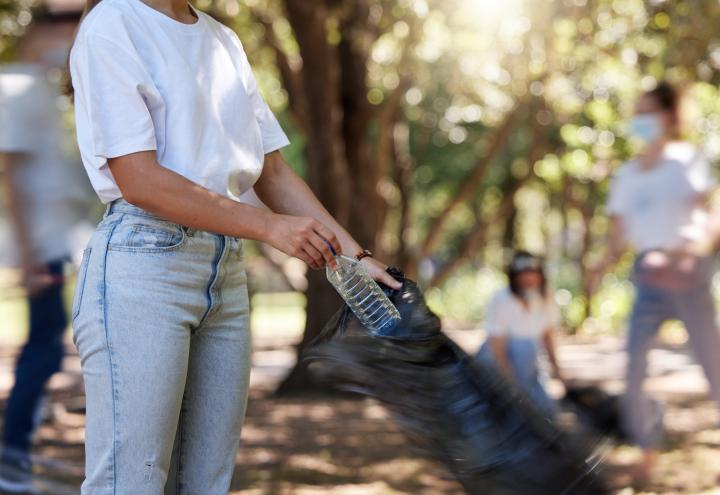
{"points": [[348, 446]]}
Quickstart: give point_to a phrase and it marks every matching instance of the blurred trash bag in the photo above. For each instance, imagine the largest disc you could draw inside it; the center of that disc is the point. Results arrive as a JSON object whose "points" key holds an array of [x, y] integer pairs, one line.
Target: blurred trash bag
{"points": [[597, 409], [458, 411], [600, 413]]}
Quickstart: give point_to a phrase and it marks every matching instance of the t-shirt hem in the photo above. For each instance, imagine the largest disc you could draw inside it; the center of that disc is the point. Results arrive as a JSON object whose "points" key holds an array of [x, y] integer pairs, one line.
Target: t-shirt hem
{"points": [[126, 149], [275, 145], [108, 198]]}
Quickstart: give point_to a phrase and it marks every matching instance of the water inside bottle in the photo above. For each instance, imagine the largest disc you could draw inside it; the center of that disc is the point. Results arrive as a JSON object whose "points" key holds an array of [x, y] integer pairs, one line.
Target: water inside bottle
{"points": [[363, 295]]}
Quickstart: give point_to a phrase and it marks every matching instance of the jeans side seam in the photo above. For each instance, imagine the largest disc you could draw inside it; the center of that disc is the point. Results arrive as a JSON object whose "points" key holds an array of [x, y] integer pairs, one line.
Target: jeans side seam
{"points": [[181, 449], [111, 362]]}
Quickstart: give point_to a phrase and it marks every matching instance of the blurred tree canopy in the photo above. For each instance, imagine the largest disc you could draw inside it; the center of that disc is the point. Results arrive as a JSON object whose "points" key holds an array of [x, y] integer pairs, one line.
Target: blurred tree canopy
{"points": [[445, 132], [482, 126], [15, 15]]}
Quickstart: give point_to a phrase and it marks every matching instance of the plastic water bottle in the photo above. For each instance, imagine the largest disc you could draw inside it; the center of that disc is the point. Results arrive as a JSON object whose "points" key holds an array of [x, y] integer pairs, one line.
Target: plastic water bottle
{"points": [[364, 296]]}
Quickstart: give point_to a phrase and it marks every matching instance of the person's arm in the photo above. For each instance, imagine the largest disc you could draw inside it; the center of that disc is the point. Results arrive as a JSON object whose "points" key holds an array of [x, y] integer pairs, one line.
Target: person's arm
{"points": [[705, 185], [616, 239], [281, 189], [497, 329], [34, 276], [148, 185], [498, 347], [16, 204], [619, 203], [616, 246], [549, 343]]}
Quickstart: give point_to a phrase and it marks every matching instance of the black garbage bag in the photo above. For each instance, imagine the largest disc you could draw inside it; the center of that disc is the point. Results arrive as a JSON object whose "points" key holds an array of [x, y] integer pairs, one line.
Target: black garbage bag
{"points": [[597, 410], [455, 409], [600, 412]]}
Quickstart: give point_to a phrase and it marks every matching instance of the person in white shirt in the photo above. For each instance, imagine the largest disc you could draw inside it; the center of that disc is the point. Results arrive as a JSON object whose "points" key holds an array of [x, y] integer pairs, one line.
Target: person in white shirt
{"points": [[657, 206], [172, 129], [520, 322], [46, 199]]}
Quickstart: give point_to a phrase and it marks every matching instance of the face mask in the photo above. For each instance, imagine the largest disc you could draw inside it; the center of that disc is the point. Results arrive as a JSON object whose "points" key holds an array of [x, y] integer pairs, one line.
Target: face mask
{"points": [[646, 127], [531, 295]]}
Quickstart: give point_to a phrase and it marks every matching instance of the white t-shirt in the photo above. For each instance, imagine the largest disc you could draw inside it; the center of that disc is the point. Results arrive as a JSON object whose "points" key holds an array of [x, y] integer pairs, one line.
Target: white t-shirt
{"points": [[144, 81], [50, 178], [507, 317], [659, 207]]}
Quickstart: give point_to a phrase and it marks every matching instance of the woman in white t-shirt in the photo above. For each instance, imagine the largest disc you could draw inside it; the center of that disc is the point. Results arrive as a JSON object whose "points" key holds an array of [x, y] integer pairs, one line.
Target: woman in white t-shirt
{"points": [[520, 322], [171, 127], [657, 206]]}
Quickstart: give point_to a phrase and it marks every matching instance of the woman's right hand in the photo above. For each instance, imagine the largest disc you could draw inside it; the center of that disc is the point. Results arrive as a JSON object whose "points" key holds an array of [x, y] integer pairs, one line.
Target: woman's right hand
{"points": [[304, 238]]}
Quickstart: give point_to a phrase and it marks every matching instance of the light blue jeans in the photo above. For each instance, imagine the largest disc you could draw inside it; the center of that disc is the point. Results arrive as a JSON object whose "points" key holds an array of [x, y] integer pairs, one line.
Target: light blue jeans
{"points": [[695, 308], [524, 357], [161, 322]]}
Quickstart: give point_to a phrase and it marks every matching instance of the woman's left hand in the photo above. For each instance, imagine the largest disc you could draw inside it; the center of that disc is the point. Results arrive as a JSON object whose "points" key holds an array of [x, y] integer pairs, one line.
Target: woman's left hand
{"points": [[377, 271]]}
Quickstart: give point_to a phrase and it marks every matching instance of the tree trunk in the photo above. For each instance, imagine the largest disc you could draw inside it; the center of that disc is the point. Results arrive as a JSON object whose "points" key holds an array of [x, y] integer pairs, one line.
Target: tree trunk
{"points": [[341, 171], [509, 239], [365, 203], [404, 177], [327, 167], [589, 283]]}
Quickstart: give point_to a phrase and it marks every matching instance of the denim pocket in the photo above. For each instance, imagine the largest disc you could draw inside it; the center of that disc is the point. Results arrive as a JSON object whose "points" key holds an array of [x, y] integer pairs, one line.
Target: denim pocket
{"points": [[80, 283], [148, 237]]}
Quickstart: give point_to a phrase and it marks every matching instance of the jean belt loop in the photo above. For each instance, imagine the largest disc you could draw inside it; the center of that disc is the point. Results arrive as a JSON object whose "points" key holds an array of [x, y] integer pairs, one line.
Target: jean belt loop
{"points": [[109, 208]]}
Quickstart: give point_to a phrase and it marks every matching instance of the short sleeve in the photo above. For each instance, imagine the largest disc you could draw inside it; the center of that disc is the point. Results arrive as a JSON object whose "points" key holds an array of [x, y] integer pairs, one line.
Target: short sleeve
{"points": [[111, 86], [16, 92], [617, 201], [700, 174], [496, 324], [273, 137]]}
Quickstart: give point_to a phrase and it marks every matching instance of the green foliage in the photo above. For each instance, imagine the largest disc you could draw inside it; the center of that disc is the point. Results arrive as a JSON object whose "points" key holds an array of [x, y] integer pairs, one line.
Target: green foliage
{"points": [[570, 68], [587, 62], [15, 15]]}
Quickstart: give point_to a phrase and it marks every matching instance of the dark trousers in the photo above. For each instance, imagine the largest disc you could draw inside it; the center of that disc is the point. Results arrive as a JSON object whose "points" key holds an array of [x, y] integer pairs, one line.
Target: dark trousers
{"points": [[39, 360]]}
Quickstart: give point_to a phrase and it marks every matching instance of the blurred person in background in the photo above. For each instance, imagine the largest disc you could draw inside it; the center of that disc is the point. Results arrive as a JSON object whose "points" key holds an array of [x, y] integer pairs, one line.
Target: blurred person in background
{"points": [[520, 321], [657, 206], [46, 195]]}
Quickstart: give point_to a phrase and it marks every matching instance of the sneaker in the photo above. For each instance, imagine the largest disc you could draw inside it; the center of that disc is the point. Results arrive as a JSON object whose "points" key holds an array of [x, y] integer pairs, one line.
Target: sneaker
{"points": [[15, 476]]}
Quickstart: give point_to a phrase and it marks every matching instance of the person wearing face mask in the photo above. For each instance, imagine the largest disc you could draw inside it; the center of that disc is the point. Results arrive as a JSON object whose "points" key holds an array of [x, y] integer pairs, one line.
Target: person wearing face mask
{"points": [[520, 322], [657, 208]]}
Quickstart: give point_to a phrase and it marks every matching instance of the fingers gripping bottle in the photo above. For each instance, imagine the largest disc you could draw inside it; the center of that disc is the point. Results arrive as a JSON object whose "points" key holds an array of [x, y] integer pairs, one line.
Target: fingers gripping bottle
{"points": [[363, 295]]}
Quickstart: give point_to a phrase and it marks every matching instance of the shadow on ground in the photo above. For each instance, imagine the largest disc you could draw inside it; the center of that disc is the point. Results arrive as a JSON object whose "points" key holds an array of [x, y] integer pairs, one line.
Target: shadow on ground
{"points": [[348, 446]]}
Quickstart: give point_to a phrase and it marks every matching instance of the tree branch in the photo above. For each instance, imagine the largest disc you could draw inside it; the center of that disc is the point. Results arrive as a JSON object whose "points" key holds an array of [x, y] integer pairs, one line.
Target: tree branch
{"points": [[290, 75], [321, 77], [471, 184], [478, 235]]}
